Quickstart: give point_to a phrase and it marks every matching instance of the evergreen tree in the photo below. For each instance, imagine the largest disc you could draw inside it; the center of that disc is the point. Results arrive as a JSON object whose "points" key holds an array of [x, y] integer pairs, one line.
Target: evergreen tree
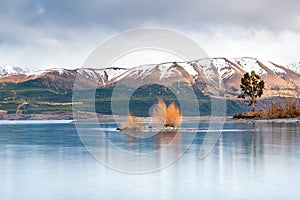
{"points": [[252, 87]]}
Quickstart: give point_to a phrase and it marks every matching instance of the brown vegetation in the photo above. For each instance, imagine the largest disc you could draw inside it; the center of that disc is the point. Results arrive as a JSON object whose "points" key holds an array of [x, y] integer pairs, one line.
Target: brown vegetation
{"points": [[288, 109], [165, 116], [159, 113], [132, 122]]}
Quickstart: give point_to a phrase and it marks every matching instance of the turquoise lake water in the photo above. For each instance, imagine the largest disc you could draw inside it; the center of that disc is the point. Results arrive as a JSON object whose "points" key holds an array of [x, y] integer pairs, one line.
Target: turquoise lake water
{"points": [[250, 161]]}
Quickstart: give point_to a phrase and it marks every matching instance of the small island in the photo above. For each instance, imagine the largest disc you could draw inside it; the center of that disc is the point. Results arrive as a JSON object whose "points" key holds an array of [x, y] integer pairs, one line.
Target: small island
{"points": [[165, 118]]}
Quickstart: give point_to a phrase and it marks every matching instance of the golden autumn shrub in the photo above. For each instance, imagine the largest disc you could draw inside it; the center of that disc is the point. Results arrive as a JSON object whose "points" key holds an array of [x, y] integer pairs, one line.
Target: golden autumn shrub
{"points": [[173, 116], [167, 116], [159, 112]]}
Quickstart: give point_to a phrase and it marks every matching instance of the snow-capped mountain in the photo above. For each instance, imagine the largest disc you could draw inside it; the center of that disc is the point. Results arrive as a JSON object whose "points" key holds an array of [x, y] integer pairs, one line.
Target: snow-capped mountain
{"points": [[226, 68], [164, 73], [106, 74], [212, 76], [63, 79], [294, 67], [216, 75], [9, 70]]}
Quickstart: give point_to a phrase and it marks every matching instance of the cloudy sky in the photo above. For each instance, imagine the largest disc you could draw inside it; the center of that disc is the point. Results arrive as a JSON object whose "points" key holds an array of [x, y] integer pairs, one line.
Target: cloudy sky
{"points": [[39, 34]]}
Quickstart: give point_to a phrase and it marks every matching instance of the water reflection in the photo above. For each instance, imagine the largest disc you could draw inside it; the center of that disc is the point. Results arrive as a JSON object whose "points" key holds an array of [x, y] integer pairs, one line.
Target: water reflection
{"points": [[157, 140], [136, 151], [253, 161], [263, 159]]}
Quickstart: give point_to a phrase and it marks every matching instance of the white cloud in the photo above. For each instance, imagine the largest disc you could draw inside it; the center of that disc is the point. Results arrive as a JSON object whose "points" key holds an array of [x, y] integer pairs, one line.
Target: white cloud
{"points": [[39, 51], [281, 47], [70, 52], [62, 33], [145, 56]]}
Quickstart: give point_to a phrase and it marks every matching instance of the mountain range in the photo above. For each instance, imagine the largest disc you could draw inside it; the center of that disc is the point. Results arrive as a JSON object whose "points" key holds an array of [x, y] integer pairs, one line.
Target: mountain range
{"points": [[214, 77], [211, 76]]}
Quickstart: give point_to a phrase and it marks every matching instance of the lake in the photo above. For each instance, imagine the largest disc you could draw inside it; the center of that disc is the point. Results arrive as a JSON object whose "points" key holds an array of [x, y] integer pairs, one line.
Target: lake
{"points": [[47, 160]]}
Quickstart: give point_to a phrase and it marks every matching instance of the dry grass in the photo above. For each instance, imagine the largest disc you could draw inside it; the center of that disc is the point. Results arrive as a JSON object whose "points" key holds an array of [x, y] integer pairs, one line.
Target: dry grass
{"points": [[159, 113], [288, 109], [167, 116], [132, 122]]}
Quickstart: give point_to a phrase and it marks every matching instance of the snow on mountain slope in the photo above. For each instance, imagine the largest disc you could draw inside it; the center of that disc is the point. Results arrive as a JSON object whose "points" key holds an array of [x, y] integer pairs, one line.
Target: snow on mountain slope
{"points": [[65, 78], [108, 73], [114, 72], [163, 73], [102, 75], [209, 72], [249, 64], [9, 70], [227, 67], [273, 68], [224, 69], [295, 67], [138, 71], [40, 73], [190, 68], [165, 70], [90, 73], [206, 68]]}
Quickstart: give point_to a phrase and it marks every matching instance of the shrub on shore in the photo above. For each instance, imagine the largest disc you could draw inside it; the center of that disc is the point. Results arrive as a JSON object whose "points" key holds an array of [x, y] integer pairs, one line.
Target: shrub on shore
{"points": [[288, 109]]}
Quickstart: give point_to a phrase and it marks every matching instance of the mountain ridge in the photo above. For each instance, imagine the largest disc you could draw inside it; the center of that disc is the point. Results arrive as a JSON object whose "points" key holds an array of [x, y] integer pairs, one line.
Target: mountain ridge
{"points": [[294, 66], [212, 75]]}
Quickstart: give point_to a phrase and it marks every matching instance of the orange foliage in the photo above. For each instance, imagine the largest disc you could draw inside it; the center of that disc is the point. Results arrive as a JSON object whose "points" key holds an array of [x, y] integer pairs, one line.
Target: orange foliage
{"points": [[173, 116], [167, 116]]}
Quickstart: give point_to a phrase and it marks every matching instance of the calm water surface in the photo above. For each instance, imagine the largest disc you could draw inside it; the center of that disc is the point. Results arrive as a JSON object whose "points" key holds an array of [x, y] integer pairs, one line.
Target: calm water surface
{"points": [[251, 161]]}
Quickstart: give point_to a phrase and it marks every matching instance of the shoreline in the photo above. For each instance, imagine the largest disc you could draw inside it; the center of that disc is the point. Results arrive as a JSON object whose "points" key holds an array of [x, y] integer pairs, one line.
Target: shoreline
{"points": [[110, 118]]}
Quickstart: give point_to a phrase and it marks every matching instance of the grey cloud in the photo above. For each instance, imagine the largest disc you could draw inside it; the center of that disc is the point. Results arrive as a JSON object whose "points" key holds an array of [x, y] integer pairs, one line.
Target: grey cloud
{"points": [[21, 20], [273, 14], [51, 24]]}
